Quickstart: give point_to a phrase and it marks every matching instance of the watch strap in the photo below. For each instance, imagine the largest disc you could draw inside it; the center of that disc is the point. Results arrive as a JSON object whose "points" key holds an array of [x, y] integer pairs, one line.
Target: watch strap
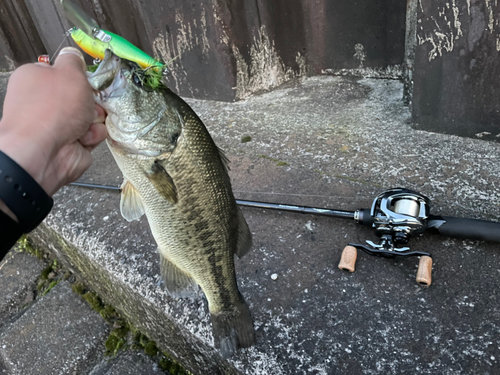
{"points": [[22, 194], [10, 232]]}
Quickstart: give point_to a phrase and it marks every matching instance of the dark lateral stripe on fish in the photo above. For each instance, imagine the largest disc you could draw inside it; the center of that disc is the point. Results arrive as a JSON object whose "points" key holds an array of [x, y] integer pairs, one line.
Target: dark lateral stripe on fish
{"points": [[217, 270]]}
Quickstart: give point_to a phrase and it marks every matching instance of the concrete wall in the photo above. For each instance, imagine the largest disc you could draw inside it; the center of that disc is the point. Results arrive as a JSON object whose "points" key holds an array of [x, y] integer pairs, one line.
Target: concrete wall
{"points": [[457, 67], [230, 49], [222, 49]]}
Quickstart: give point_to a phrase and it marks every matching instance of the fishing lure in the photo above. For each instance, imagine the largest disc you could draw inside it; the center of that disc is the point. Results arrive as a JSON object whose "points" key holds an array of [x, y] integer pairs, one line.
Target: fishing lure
{"points": [[120, 47], [94, 41], [44, 59]]}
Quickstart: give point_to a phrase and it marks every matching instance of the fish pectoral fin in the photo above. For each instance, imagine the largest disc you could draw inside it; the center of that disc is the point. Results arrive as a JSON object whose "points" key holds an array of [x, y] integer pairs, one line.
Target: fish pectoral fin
{"points": [[131, 206], [177, 282], [224, 159], [244, 236], [162, 182]]}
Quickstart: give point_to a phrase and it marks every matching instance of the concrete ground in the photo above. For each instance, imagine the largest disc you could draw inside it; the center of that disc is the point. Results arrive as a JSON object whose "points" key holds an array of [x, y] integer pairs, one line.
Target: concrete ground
{"points": [[54, 331], [325, 142]]}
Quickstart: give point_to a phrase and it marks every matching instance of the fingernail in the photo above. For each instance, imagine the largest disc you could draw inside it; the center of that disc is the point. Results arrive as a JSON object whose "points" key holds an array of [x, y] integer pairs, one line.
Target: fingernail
{"points": [[98, 118], [73, 51]]}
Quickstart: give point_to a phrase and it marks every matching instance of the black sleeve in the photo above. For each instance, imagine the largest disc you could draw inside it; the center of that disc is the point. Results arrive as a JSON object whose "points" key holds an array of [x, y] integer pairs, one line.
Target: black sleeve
{"points": [[10, 232]]}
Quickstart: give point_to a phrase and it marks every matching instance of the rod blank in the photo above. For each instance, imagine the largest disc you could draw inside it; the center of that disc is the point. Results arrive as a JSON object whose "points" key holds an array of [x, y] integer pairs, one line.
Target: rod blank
{"points": [[300, 209]]}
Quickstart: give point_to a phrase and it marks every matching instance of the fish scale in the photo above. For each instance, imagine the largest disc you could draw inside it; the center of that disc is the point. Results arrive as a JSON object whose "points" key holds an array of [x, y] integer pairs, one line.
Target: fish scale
{"points": [[175, 174]]}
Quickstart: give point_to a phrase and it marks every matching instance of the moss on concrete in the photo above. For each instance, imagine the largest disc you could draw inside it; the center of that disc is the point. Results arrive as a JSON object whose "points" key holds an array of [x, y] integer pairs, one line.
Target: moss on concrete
{"points": [[279, 163], [24, 244], [117, 338], [78, 288], [45, 273], [113, 344], [124, 335], [50, 277], [151, 349], [168, 365], [94, 301], [49, 288], [108, 313]]}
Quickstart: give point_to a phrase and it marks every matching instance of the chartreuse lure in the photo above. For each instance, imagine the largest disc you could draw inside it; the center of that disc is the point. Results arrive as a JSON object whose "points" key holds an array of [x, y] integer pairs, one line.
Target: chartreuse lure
{"points": [[94, 41], [120, 47]]}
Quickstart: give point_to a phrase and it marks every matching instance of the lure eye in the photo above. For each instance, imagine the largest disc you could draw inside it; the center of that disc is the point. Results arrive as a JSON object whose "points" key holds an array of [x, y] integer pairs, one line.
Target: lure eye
{"points": [[137, 80]]}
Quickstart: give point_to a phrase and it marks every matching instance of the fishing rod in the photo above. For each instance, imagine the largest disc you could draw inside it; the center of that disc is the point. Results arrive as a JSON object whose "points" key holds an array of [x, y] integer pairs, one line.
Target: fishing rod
{"points": [[396, 216], [273, 206]]}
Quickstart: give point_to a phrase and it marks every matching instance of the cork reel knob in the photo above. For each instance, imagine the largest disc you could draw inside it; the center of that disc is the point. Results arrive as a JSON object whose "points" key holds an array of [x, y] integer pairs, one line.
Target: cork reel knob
{"points": [[424, 271], [348, 259]]}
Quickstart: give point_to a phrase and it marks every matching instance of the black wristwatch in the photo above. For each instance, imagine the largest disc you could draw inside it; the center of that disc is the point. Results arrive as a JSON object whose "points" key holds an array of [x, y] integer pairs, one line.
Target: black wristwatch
{"points": [[23, 195], [10, 231]]}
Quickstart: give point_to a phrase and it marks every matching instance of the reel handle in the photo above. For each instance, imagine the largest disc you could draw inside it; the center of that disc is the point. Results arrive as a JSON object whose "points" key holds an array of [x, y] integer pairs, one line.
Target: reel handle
{"points": [[465, 228]]}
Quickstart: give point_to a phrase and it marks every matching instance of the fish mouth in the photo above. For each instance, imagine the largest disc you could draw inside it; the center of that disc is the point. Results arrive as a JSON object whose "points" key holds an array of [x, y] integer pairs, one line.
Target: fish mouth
{"points": [[105, 73], [109, 79], [110, 82], [116, 88]]}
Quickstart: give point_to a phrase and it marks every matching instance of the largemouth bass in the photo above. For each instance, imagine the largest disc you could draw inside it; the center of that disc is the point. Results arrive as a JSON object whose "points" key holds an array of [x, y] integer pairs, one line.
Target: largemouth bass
{"points": [[175, 174]]}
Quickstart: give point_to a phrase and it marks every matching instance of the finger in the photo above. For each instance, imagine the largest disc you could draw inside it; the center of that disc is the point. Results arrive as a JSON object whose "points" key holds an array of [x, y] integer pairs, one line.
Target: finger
{"points": [[95, 135], [100, 114], [84, 161], [70, 55], [90, 148], [45, 65]]}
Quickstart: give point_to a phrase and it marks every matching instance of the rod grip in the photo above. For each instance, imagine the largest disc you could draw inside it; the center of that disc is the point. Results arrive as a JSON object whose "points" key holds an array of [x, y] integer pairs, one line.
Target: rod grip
{"points": [[424, 273], [348, 259], [465, 228]]}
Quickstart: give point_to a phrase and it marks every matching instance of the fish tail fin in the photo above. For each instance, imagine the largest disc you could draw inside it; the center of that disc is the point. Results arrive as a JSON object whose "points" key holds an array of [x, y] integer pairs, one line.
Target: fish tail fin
{"points": [[233, 329]]}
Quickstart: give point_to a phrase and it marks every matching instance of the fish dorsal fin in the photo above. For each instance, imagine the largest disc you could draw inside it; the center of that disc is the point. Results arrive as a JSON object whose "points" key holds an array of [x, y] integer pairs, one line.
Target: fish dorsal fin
{"points": [[131, 206], [224, 159], [178, 283], [244, 236], [162, 182]]}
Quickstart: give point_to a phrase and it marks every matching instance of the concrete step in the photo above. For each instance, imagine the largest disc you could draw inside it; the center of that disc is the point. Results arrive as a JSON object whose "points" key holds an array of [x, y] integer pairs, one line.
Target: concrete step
{"points": [[59, 334], [328, 142], [54, 331], [19, 273]]}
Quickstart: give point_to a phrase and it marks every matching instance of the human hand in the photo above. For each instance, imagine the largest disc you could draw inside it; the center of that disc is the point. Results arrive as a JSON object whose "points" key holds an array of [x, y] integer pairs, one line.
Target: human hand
{"points": [[50, 121]]}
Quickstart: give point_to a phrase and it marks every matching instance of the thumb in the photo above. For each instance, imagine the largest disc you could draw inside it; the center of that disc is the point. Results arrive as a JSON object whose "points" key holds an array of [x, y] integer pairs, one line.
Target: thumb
{"points": [[71, 56]]}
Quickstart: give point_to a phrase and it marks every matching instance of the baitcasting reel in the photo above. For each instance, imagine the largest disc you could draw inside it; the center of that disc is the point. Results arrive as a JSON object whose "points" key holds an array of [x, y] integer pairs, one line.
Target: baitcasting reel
{"points": [[396, 215]]}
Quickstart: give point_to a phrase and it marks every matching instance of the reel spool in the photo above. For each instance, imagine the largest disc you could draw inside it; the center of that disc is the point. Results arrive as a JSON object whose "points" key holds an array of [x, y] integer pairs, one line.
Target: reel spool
{"points": [[396, 215]]}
